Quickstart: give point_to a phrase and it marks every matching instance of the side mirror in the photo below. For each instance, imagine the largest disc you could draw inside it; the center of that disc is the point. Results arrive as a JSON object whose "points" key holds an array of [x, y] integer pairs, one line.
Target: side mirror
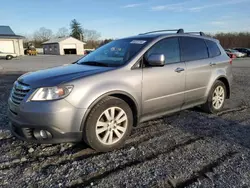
{"points": [[156, 60]]}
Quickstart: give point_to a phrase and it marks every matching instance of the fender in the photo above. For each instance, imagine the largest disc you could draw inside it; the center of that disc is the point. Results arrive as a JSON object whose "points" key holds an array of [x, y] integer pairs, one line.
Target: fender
{"points": [[110, 93], [211, 83]]}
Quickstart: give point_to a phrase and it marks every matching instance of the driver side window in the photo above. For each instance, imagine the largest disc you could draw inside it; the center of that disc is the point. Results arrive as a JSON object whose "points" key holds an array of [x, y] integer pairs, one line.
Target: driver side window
{"points": [[169, 48]]}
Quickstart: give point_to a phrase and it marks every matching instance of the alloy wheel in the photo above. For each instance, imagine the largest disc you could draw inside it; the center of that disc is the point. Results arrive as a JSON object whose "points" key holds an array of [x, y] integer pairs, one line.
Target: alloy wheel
{"points": [[111, 125], [218, 97]]}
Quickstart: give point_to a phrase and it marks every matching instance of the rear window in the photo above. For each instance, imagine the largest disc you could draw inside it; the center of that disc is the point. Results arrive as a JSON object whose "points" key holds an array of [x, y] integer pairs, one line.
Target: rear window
{"points": [[213, 48], [193, 49]]}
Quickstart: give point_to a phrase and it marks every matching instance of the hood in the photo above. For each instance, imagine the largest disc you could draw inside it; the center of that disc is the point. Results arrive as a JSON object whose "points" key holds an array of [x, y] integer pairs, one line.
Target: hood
{"points": [[58, 75]]}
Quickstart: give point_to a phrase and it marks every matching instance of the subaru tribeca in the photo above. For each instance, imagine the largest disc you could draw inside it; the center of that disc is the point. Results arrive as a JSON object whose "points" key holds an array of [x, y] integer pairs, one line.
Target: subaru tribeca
{"points": [[102, 96]]}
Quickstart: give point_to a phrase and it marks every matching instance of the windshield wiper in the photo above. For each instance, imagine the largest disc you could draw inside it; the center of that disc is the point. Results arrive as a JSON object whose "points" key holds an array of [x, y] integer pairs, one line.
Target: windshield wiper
{"points": [[94, 63]]}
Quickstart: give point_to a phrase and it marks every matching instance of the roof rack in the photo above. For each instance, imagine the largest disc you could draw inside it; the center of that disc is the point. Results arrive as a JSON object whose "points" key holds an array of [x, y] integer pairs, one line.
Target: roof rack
{"points": [[177, 31], [198, 33]]}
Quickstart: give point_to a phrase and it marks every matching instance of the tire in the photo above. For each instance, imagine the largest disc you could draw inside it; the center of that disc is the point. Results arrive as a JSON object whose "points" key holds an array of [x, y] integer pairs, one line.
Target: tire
{"points": [[9, 57], [211, 106], [110, 133]]}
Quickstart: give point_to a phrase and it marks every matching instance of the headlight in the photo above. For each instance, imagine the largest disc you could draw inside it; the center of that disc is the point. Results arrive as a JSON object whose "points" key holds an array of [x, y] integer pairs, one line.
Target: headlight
{"points": [[51, 93]]}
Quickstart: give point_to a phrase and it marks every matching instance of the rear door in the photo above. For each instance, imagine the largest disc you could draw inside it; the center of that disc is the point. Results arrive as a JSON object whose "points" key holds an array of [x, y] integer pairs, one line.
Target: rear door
{"points": [[198, 68], [163, 87]]}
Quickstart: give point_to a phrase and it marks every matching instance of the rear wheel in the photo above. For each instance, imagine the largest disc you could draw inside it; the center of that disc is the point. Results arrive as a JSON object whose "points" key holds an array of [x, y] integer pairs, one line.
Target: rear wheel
{"points": [[216, 98], [9, 57], [108, 124]]}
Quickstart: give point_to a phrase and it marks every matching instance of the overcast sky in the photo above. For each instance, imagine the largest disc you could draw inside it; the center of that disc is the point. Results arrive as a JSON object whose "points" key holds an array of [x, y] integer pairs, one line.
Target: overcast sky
{"points": [[118, 18]]}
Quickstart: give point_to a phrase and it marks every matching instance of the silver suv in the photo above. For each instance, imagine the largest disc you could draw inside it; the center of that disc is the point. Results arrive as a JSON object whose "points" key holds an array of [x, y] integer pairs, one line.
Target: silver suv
{"points": [[102, 96]]}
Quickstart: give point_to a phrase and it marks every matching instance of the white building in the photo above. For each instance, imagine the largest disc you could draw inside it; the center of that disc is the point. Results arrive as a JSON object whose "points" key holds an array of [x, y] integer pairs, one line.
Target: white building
{"points": [[10, 42], [63, 46]]}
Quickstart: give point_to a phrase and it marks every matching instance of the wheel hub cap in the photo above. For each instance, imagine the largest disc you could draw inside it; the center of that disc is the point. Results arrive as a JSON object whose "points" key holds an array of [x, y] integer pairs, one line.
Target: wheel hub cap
{"points": [[111, 125], [218, 97]]}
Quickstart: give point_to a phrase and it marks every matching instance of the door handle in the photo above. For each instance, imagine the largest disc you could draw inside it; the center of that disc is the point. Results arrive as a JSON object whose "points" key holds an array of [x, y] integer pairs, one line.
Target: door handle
{"points": [[212, 64], [179, 69]]}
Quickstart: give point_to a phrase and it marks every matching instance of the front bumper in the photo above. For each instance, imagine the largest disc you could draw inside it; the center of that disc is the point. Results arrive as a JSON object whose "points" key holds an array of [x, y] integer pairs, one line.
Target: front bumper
{"points": [[26, 133], [58, 118]]}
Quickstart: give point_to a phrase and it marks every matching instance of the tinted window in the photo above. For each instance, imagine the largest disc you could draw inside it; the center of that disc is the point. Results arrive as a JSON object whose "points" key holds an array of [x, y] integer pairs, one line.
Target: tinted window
{"points": [[193, 49], [169, 47], [212, 48]]}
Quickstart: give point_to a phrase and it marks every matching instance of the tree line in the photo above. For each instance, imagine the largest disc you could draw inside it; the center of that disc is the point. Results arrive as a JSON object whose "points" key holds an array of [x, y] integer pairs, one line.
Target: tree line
{"points": [[90, 37], [233, 40]]}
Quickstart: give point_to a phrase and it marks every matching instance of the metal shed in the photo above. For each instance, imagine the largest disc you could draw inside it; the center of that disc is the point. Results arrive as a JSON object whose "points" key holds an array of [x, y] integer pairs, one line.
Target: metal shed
{"points": [[63, 46]]}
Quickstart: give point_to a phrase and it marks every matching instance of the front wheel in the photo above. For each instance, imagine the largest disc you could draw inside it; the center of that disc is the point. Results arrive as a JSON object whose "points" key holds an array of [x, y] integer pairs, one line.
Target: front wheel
{"points": [[216, 98], [108, 124], [9, 57]]}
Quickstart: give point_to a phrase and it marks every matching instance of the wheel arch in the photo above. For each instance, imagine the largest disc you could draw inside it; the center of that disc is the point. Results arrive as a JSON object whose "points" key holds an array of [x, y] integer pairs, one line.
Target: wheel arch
{"points": [[227, 85], [129, 99]]}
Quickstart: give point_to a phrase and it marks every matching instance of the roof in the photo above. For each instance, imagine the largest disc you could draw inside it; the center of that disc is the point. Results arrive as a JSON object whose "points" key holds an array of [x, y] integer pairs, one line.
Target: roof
{"points": [[150, 35], [161, 36], [57, 40], [7, 32], [165, 33]]}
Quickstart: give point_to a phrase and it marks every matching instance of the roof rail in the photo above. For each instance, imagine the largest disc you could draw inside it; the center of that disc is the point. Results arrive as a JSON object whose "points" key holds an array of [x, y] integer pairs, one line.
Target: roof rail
{"points": [[177, 31], [198, 33]]}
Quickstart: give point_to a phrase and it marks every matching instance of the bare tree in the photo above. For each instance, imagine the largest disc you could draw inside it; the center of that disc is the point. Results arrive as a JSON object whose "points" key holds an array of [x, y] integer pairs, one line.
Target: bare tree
{"points": [[62, 32], [91, 35], [43, 34], [232, 40], [91, 38], [26, 40], [105, 41]]}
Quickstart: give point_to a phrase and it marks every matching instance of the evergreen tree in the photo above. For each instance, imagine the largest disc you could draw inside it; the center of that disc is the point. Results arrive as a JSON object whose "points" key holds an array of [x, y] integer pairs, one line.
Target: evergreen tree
{"points": [[76, 29]]}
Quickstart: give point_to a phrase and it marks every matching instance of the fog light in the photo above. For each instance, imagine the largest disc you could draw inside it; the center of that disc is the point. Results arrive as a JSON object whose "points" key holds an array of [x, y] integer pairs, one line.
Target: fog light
{"points": [[43, 134]]}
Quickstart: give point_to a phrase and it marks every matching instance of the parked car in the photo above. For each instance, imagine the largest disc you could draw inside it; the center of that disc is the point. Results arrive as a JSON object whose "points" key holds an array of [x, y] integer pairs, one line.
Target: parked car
{"points": [[7, 56], [86, 52], [231, 55], [102, 96], [236, 53], [244, 50]]}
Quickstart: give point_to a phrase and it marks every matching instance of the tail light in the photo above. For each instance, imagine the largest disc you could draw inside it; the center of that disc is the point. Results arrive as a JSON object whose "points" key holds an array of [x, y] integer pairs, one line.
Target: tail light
{"points": [[231, 61]]}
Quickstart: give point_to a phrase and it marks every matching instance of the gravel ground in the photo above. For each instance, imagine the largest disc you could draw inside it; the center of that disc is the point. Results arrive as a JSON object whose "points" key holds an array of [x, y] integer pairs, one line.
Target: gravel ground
{"points": [[186, 149]]}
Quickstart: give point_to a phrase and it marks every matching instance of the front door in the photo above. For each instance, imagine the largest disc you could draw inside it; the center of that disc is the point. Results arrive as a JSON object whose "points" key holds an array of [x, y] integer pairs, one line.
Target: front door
{"points": [[163, 87]]}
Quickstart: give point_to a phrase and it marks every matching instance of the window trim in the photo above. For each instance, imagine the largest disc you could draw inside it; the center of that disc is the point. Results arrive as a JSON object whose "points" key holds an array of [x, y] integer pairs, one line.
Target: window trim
{"points": [[192, 38], [140, 62], [208, 48], [178, 38]]}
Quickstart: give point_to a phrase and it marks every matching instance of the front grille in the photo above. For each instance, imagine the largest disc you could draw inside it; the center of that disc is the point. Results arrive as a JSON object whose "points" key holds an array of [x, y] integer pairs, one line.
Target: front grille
{"points": [[28, 133], [19, 91], [23, 132]]}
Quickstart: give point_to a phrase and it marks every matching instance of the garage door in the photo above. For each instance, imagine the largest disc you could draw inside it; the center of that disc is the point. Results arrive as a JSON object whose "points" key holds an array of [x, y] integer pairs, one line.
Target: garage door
{"points": [[69, 49], [7, 46], [69, 46]]}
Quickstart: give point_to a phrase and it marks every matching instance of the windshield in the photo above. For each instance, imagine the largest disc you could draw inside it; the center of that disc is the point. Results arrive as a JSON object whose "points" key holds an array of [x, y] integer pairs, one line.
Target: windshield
{"points": [[115, 53]]}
